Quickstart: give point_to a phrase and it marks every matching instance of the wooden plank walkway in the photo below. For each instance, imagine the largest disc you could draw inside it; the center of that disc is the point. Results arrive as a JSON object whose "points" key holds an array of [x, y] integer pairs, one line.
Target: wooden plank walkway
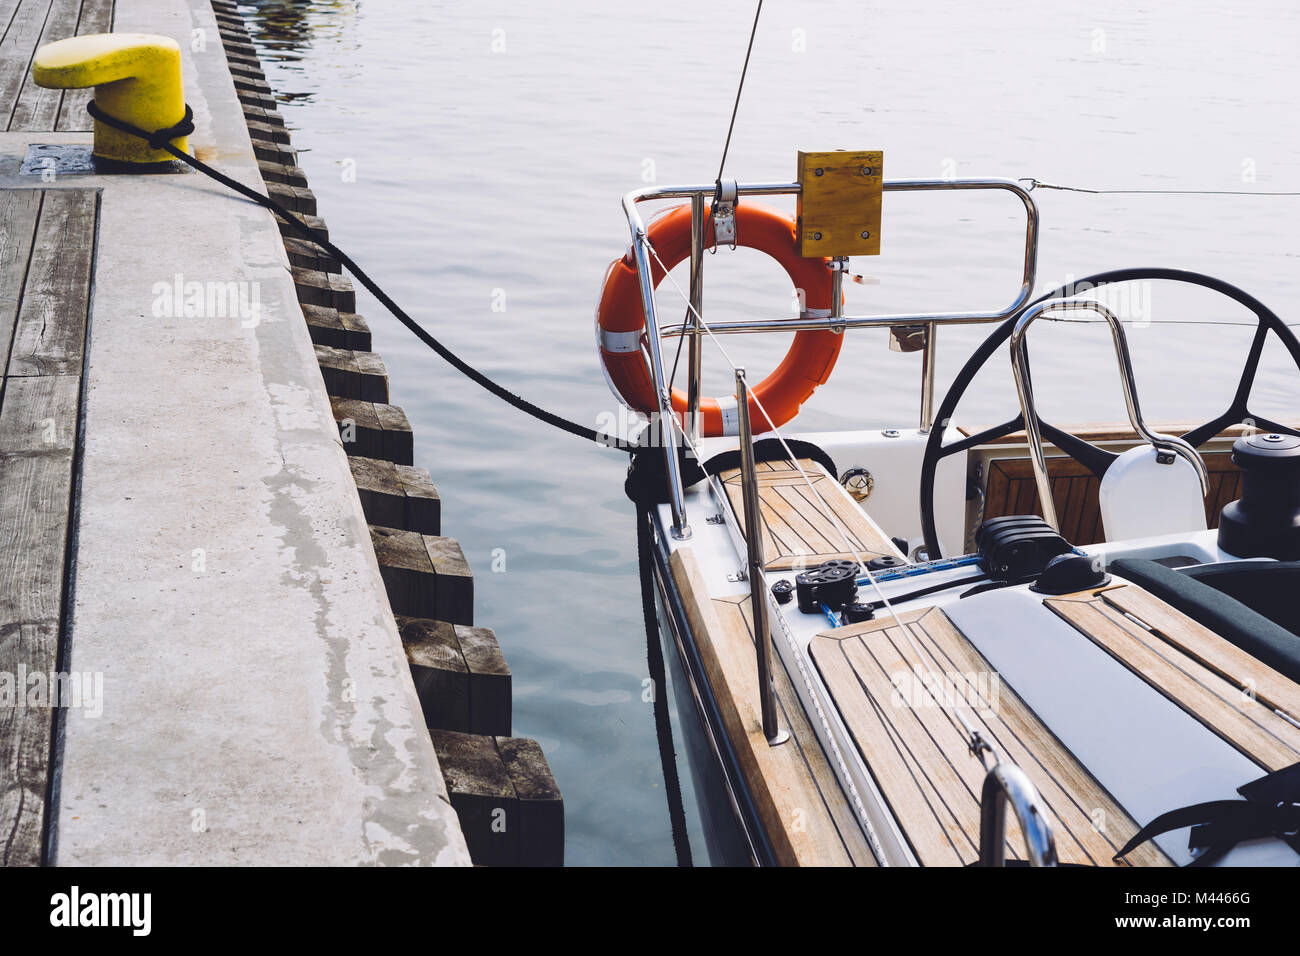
{"points": [[897, 694], [47, 241], [26, 25]]}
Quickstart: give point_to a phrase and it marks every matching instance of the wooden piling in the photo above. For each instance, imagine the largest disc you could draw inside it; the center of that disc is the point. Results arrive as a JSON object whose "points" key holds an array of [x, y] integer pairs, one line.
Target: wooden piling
{"points": [[374, 430], [460, 674], [425, 575], [348, 374], [509, 806], [343, 330], [397, 496], [329, 289], [305, 254]]}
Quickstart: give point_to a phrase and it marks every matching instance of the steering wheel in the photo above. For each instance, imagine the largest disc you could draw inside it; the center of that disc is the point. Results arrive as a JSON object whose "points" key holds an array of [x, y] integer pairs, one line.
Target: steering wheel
{"points": [[1095, 459]]}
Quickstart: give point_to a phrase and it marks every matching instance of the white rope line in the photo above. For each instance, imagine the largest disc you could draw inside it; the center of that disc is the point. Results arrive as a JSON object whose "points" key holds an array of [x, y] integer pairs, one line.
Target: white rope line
{"points": [[828, 511]]}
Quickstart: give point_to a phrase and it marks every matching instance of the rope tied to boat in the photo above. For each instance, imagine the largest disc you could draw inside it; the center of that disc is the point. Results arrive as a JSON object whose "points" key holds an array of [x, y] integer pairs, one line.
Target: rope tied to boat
{"points": [[161, 139]]}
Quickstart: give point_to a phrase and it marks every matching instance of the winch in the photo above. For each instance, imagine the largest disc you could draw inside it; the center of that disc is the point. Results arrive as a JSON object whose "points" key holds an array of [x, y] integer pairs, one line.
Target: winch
{"points": [[1265, 521]]}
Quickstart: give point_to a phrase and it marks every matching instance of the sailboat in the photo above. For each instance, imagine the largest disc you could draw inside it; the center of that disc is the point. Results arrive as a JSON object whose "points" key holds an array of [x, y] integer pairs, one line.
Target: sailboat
{"points": [[938, 644]]}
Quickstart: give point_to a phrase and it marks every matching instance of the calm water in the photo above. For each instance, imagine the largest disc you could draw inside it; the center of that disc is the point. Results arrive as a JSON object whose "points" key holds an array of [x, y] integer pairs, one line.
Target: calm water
{"points": [[472, 157]]}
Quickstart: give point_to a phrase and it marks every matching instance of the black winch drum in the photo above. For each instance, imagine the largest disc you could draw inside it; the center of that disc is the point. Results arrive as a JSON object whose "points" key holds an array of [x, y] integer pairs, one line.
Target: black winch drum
{"points": [[1265, 521]]}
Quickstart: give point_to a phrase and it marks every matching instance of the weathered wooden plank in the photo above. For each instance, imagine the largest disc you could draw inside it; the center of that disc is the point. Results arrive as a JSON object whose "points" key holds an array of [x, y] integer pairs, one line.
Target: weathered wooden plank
{"points": [[35, 485], [539, 827], [490, 703], [237, 44], [37, 108], [39, 414], [397, 496], [19, 210], [274, 118], [455, 581], [407, 572], [348, 374], [343, 330], [275, 152], [247, 71], [245, 84], [398, 440], [423, 504], [460, 675], [483, 794], [50, 334], [297, 199], [16, 50], [305, 254], [383, 499], [270, 133], [374, 430], [439, 671], [96, 17], [25, 735], [426, 575], [315, 225], [329, 289]]}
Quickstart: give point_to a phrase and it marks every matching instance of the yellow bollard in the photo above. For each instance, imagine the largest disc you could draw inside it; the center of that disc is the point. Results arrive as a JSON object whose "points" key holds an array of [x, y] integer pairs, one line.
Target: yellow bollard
{"points": [[137, 79]]}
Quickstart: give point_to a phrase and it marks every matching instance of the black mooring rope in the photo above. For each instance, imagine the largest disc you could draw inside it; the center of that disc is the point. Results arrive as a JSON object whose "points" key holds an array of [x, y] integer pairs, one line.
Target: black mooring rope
{"points": [[161, 139], [659, 680]]}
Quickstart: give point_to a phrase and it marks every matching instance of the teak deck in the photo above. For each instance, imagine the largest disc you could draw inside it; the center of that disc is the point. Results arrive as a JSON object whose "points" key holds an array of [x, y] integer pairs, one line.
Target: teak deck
{"points": [[796, 532], [1227, 690], [794, 790], [897, 697], [47, 242]]}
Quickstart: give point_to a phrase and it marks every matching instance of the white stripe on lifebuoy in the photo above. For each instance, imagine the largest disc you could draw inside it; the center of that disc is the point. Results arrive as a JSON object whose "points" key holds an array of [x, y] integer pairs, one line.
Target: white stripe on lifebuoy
{"points": [[730, 415], [620, 341]]}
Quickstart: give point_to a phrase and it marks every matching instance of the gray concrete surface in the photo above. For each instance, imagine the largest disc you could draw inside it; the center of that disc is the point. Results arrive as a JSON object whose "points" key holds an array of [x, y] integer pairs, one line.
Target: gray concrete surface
{"points": [[257, 704]]}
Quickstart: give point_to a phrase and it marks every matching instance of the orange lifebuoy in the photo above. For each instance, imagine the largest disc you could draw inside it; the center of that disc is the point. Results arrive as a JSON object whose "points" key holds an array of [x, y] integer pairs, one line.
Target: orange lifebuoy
{"points": [[621, 322]]}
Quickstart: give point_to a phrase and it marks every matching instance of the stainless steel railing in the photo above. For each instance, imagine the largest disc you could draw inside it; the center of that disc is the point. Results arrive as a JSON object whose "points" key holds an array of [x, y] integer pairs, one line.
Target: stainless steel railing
{"points": [[754, 557], [1168, 445], [1006, 783], [836, 321]]}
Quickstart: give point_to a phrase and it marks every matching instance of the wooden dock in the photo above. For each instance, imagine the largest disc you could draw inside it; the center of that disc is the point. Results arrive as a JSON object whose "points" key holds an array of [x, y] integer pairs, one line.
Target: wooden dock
{"points": [[51, 241], [509, 805], [47, 242]]}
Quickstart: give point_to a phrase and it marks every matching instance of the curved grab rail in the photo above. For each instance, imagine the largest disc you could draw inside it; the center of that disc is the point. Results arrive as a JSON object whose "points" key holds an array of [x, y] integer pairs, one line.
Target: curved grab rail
{"points": [[1165, 445], [1006, 783]]}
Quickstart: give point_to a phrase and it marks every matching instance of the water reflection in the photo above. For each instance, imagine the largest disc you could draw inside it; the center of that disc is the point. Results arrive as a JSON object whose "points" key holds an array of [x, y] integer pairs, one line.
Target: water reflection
{"points": [[284, 30]]}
